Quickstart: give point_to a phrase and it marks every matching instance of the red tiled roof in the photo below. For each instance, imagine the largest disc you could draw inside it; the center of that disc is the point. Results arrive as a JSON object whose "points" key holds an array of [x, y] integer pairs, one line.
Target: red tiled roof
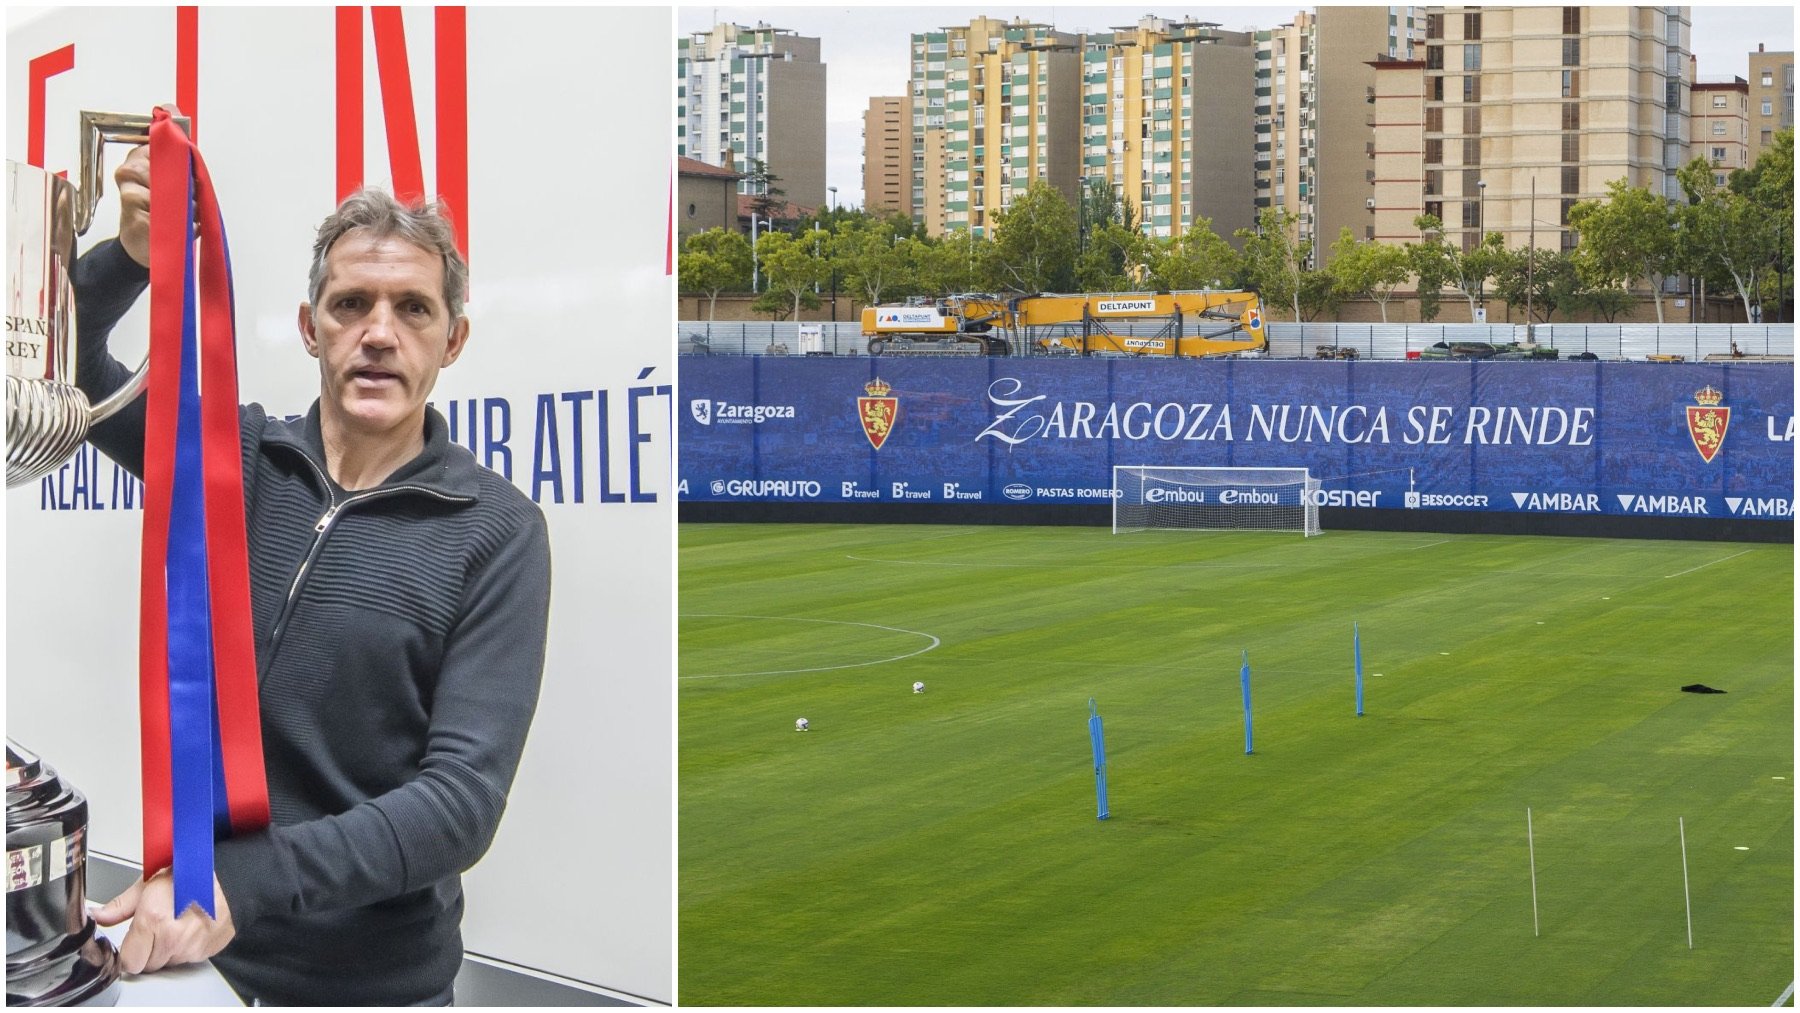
{"points": [[694, 167], [789, 211]]}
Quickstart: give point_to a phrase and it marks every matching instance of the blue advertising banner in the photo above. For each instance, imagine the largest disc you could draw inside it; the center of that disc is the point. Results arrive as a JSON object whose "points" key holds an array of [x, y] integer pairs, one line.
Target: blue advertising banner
{"points": [[1699, 440]]}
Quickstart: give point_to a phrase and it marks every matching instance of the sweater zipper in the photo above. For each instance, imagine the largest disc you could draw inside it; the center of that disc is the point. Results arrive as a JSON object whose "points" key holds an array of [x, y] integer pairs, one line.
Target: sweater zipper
{"points": [[323, 527]]}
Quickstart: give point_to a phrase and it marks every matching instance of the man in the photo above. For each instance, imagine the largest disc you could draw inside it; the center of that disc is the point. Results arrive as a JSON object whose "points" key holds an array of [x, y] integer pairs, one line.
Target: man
{"points": [[400, 594]]}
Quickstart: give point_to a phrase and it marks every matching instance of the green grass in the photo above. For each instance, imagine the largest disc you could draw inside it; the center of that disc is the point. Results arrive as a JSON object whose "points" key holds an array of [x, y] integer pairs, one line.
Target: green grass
{"points": [[942, 848]]}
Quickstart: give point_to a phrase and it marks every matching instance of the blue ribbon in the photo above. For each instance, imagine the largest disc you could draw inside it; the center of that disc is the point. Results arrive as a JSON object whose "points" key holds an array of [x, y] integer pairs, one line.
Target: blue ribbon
{"points": [[197, 777]]}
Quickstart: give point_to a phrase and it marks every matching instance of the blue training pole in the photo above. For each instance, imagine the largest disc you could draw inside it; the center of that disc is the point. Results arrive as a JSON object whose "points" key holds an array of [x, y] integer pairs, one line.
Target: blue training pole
{"points": [[1098, 735], [1356, 641], [1244, 674]]}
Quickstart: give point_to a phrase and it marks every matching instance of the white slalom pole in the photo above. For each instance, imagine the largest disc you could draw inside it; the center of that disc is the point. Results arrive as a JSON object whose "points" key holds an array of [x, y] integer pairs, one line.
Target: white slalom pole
{"points": [[1681, 823], [1531, 848]]}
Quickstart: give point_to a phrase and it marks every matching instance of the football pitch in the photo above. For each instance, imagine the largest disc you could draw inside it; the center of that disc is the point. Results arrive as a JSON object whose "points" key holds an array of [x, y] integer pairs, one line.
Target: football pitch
{"points": [[942, 847]]}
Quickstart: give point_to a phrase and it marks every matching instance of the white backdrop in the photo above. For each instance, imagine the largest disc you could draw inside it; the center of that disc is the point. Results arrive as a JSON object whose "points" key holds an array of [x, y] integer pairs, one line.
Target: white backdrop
{"points": [[569, 177]]}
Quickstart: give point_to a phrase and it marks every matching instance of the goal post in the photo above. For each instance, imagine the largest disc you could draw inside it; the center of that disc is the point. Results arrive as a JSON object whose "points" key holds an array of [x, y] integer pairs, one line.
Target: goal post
{"points": [[1162, 497]]}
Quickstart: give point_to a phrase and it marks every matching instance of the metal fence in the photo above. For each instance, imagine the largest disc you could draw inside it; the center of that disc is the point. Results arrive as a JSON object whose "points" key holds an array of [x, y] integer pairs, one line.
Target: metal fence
{"points": [[1693, 342]]}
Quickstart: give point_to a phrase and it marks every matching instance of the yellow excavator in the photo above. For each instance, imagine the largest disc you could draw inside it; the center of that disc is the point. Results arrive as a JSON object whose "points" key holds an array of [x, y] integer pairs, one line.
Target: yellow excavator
{"points": [[1192, 324], [971, 324]]}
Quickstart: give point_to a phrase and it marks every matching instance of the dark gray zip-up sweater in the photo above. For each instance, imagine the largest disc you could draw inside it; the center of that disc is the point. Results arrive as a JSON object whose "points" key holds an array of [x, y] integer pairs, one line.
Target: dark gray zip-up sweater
{"points": [[399, 645]]}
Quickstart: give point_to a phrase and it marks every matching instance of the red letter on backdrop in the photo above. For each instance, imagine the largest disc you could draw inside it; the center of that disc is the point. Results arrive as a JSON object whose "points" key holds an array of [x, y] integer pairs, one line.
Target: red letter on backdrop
{"points": [[41, 69], [187, 67], [404, 157]]}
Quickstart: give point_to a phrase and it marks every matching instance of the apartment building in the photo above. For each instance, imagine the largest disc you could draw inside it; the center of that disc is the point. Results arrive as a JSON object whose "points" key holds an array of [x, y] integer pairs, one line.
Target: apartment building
{"points": [[886, 156], [1347, 41], [1004, 98], [757, 93], [1721, 126], [1517, 113], [1771, 97], [1166, 118]]}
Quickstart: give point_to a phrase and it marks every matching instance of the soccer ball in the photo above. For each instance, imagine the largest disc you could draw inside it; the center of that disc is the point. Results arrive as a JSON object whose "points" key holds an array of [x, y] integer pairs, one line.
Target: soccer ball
{"points": [[918, 687], [800, 725]]}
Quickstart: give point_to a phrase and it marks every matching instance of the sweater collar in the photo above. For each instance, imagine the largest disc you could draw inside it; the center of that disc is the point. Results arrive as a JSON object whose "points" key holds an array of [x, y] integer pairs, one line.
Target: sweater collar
{"points": [[442, 467]]}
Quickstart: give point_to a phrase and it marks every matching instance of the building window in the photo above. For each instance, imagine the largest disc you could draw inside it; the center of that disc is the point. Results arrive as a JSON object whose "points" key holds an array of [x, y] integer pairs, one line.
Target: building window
{"points": [[1571, 21], [1571, 84], [1718, 101], [1718, 153], [1434, 119], [1471, 119], [1471, 215], [1434, 26], [1768, 79], [1434, 57], [1571, 116], [1472, 26], [1768, 107], [1571, 179], [1435, 208], [1472, 88], [1571, 52], [1718, 128], [1434, 181], [1437, 89], [1471, 151], [1434, 151], [1718, 179], [1471, 57]]}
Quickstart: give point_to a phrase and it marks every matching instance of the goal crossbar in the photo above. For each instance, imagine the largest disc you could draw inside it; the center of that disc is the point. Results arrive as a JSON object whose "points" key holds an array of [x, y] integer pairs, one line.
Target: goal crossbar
{"points": [[1192, 498]]}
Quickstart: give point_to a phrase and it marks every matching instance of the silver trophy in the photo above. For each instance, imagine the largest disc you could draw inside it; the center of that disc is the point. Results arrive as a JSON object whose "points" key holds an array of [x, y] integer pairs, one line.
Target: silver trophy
{"points": [[47, 416], [54, 956]]}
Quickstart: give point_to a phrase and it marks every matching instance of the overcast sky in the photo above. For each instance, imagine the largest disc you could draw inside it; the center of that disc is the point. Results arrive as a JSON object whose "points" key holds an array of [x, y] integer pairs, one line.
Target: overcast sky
{"points": [[865, 48]]}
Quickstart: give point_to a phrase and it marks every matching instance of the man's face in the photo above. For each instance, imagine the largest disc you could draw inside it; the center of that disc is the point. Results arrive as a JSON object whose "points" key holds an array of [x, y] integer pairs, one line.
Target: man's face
{"points": [[381, 332]]}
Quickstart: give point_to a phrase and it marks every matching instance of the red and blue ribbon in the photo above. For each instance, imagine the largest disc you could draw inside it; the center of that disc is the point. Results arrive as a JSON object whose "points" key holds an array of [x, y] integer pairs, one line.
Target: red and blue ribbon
{"points": [[201, 732]]}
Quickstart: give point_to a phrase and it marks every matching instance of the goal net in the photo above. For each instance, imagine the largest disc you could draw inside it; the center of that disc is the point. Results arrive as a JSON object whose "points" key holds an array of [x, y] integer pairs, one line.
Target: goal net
{"points": [[1149, 497]]}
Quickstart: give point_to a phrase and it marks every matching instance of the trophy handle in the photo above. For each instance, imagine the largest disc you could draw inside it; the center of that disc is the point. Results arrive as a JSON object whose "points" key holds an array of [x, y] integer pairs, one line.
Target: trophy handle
{"points": [[98, 130]]}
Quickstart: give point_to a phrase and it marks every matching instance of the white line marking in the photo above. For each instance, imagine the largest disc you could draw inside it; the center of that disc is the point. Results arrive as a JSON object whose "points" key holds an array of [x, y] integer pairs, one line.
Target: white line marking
{"points": [[1784, 996], [1703, 566], [1428, 545], [797, 619]]}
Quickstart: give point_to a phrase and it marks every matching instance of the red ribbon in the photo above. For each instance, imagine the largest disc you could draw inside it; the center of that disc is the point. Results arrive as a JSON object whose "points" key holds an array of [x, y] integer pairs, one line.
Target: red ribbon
{"points": [[172, 159]]}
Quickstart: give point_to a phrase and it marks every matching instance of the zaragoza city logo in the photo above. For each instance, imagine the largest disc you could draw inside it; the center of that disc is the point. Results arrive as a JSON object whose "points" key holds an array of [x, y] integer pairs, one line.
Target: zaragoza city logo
{"points": [[1707, 422], [877, 412]]}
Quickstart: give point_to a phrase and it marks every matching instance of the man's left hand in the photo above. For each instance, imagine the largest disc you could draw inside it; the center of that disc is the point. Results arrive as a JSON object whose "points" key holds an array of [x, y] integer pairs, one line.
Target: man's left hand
{"points": [[158, 938]]}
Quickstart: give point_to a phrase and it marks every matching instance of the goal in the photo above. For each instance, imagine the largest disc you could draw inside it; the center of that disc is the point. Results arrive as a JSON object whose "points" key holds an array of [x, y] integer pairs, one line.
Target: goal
{"points": [[1154, 497]]}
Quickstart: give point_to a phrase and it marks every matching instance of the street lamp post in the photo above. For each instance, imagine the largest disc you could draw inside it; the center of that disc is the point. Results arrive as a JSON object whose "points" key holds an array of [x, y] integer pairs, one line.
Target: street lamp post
{"points": [[755, 264], [833, 191], [1480, 240], [1531, 260]]}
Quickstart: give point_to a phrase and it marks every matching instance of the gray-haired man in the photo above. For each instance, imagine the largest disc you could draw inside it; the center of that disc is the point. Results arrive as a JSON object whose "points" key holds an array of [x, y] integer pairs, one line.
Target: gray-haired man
{"points": [[400, 594]]}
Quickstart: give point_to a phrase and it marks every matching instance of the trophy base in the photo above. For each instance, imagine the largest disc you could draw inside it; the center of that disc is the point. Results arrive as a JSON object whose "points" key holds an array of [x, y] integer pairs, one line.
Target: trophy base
{"points": [[83, 970]]}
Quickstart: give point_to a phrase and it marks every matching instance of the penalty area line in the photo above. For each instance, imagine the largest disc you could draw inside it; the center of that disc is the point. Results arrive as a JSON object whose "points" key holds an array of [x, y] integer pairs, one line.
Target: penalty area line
{"points": [[1703, 566], [826, 668], [1784, 996]]}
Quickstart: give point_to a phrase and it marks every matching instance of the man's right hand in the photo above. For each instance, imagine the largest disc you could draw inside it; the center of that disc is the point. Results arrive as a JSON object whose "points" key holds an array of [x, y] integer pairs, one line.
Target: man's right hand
{"points": [[133, 180]]}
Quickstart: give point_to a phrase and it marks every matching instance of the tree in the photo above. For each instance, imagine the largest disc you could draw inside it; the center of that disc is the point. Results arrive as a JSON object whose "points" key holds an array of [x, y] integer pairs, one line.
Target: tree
{"points": [[1440, 265], [714, 261], [792, 266], [1319, 293], [1428, 259], [1113, 260], [1769, 185], [941, 266], [1033, 249], [768, 201], [1368, 268], [1198, 258], [871, 257], [1627, 237], [1272, 258], [1730, 235]]}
